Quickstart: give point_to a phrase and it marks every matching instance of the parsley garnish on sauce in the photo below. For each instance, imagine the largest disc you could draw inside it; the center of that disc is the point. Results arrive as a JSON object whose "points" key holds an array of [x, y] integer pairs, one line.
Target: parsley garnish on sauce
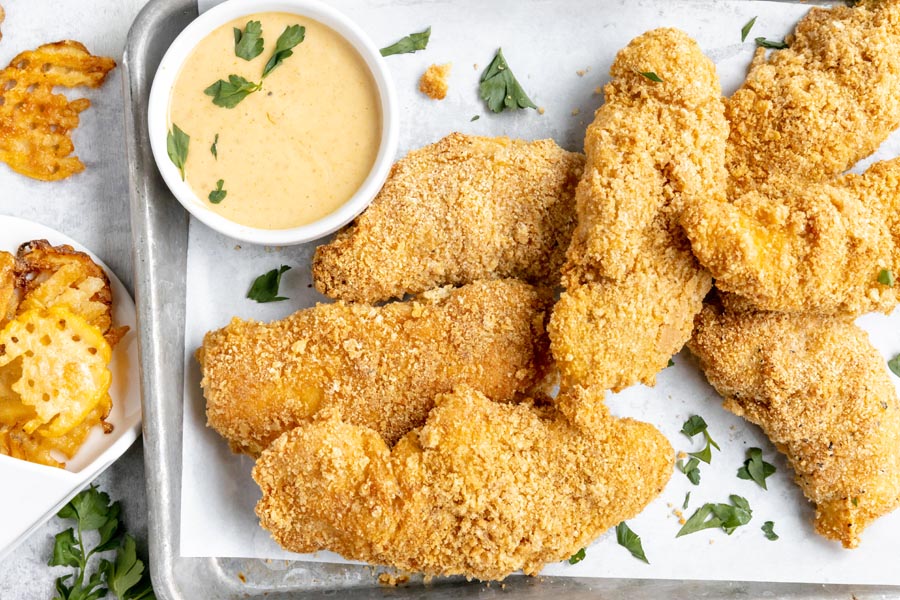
{"points": [[229, 94], [630, 541], [756, 468], [745, 30], [249, 43], [177, 143], [768, 528], [265, 287], [214, 148], [577, 557], [125, 577], [711, 516], [886, 277], [500, 89], [775, 45], [692, 427], [218, 194], [651, 76], [411, 43]]}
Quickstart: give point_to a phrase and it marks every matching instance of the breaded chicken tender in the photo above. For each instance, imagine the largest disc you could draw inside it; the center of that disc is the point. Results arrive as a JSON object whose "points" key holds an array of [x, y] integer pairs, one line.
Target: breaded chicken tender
{"points": [[633, 285], [9, 294], [482, 489], [811, 111], [805, 247], [462, 209], [820, 391], [378, 367]]}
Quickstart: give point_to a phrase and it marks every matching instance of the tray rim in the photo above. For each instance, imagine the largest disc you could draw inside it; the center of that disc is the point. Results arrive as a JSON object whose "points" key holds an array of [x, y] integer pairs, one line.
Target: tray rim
{"points": [[162, 376]]}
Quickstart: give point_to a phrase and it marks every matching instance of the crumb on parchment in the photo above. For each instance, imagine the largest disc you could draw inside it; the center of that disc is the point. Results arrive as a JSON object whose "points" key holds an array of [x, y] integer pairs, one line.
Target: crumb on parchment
{"points": [[433, 82]]}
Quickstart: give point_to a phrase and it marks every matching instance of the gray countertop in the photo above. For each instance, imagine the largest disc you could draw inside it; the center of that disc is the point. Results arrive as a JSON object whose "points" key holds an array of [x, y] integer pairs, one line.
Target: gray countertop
{"points": [[91, 207]]}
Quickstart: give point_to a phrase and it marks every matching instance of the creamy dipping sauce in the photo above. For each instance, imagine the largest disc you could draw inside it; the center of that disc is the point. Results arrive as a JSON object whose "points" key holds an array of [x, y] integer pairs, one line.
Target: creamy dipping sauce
{"points": [[293, 152]]}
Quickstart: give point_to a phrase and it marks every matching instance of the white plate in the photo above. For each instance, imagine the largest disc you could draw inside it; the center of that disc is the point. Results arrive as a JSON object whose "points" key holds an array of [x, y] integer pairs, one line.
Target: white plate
{"points": [[33, 493]]}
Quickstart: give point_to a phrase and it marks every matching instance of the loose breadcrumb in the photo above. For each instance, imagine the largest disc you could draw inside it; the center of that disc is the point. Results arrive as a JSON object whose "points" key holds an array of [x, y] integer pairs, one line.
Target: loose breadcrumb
{"points": [[433, 82]]}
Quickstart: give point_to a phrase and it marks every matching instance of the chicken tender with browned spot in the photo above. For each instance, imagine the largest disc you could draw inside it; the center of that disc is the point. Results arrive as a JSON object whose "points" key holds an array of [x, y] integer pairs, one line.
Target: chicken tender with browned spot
{"points": [[483, 489], [820, 391], [462, 209], [378, 367], [805, 247], [811, 111], [632, 284]]}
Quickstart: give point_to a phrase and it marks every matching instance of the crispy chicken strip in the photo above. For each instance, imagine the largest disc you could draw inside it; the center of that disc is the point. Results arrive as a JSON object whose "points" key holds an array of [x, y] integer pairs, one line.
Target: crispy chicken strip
{"points": [[813, 110], [482, 489], [633, 285], [462, 209], [820, 391], [805, 247], [9, 296], [379, 367]]}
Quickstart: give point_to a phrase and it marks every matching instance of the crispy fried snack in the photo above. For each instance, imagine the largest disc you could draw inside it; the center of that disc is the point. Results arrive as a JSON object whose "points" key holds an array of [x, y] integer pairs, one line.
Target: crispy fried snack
{"points": [[9, 293], [34, 122], [463, 209], [632, 284], [380, 367], [811, 111], [482, 489], [820, 391], [60, 275], [805, 247], [54, 383]]}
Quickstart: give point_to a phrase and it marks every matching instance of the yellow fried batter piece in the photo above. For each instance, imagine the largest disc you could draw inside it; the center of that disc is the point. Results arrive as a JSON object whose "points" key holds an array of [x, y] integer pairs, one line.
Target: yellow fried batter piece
{"points": [[380, 367], [805, 247], [482, 489], [633, 285], [9, 293], [433, 82], [34, 122], [60, 275], [462, 209], [811, 111], [820, 391]]}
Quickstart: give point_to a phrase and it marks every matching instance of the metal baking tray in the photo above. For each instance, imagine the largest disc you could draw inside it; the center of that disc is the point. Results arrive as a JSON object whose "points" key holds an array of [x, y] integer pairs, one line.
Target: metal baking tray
{"points": [[160, 228]]}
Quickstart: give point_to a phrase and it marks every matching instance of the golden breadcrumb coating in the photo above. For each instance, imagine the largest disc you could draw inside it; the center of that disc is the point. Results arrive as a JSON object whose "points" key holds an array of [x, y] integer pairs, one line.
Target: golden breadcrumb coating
{"points": [[433, 82], [821, 393], [482, 489], [380, 367], [9, 293], [805, 247], [462, 209], [811, 111], [633, 285]]}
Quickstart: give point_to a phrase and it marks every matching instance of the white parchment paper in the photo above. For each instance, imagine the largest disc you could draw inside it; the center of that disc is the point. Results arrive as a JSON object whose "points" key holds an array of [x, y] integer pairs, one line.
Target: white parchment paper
{"points": [[547, 44]]}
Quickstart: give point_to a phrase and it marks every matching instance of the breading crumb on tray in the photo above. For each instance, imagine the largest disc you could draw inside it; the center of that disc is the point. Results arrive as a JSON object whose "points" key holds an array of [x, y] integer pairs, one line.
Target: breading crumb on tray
{"points": [[433, 82]]}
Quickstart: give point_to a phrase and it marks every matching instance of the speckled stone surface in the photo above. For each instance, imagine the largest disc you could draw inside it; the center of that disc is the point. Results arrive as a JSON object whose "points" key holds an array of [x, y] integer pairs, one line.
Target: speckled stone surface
{"points": [[91, 207]]}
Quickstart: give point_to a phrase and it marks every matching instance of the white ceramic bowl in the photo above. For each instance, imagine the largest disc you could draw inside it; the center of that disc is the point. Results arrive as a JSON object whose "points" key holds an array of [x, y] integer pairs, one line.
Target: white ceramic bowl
{"points": [[168, 73]]}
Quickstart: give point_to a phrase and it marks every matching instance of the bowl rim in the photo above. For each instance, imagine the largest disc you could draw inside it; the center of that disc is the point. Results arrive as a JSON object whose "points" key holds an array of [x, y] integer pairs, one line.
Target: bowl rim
{"points": [[167, 74]]}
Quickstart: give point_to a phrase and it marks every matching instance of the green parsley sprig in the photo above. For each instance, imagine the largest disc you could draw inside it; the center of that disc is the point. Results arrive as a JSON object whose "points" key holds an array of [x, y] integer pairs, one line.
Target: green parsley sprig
{"points": [[265, 287], [762, 42], [177, 143], [768, 529], [651, 76], [886, 277], [577, 557], [630, 541], [125, 577], [691, 470], [894, 365], [408, 44], [692, 427], [711, 516], [500, 89], [248, 44], [745, 30], [218, 194], [756, 468]]}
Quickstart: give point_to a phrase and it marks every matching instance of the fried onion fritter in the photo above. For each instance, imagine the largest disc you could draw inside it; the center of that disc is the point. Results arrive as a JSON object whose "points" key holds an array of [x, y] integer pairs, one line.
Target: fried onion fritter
{"points": [[811, 111], [34, 122], [805, 247], [462, 209], [820, 391], [380, 367], [632, 284], [482, 489]]}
